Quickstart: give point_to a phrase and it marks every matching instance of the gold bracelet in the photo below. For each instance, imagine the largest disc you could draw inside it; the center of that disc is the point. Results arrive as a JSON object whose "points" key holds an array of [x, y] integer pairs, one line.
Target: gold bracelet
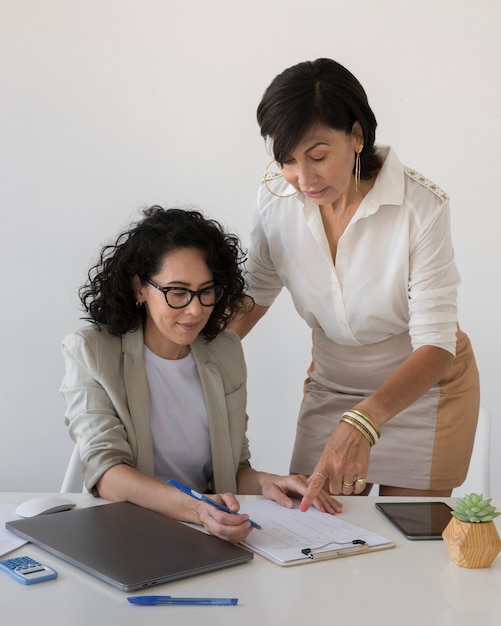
{"points": [[371, 421], [366, 433], [368, 425]]}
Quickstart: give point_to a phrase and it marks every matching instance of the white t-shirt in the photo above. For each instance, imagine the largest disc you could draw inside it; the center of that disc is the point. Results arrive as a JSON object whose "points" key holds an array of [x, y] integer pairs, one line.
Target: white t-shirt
{"points": [[394, 269], [179, 423]]}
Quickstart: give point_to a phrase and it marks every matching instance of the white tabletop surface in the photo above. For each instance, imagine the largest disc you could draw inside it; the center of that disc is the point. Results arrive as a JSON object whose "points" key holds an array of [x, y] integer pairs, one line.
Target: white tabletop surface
{"points": [[413, 584]]}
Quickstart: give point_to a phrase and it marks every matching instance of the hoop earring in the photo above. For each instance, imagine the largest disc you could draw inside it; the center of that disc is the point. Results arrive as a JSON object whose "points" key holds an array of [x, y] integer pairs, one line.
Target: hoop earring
{"points": [[138, 304], [269, 176], [358, 169]]}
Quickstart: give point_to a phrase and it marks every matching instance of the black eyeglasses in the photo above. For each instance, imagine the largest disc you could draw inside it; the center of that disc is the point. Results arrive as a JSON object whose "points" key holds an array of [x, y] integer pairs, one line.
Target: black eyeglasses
{"points": [[179, 297]]}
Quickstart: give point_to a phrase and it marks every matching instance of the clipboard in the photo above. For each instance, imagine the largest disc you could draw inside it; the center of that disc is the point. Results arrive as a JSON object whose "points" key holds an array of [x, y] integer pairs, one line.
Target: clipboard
{"points": [[292, 537]]}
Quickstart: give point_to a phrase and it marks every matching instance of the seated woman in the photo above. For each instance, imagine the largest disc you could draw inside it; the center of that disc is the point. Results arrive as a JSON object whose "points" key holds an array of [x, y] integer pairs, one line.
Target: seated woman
{"points": [[156, 387]]}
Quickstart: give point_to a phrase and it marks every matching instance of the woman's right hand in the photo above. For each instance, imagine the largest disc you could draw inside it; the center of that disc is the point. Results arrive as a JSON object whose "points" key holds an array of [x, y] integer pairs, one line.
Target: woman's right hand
{"points": [[227, 526], [345, 458]]}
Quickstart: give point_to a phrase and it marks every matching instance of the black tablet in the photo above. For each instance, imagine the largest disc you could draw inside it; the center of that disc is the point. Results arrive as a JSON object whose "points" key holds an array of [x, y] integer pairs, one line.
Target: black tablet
{"points": [[417, 520]]}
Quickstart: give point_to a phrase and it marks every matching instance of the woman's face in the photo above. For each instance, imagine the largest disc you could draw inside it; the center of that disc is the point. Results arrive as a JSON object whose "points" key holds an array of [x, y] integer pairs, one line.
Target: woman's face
{"points": [[321, 166], [169, 332]]}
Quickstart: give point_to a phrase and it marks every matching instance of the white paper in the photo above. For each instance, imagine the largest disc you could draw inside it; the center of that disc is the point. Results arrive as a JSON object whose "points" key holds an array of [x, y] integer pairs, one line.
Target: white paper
{"points": [[8, 541], [285, 532]]}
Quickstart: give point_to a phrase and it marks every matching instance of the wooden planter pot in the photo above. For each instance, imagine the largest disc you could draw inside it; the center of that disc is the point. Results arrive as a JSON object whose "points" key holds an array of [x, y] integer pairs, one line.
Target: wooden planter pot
{"points": [[472, 545]]}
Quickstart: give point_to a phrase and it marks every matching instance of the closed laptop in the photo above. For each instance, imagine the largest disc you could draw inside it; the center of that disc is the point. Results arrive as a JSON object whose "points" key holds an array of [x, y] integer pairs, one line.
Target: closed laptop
{"points": [[128, 546]]}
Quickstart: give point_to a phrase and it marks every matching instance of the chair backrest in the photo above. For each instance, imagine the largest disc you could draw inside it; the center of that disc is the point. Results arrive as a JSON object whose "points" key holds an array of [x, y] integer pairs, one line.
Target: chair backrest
{"points": [[478, 479], [73, 478]]}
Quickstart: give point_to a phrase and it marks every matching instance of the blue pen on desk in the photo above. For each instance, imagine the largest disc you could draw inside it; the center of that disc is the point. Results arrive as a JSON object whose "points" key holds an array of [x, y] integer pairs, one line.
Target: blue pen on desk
{"points": [[154, 600], [199, 496]]}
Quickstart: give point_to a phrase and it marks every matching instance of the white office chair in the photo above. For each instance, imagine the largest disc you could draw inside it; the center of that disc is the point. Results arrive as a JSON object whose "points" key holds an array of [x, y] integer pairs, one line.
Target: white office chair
{"points": [[73, 478], [478, 479]]}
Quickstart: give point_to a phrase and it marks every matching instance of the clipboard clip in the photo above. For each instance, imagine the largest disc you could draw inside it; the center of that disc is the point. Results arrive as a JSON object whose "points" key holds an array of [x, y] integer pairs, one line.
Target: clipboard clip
{"points": [[357, 545]]}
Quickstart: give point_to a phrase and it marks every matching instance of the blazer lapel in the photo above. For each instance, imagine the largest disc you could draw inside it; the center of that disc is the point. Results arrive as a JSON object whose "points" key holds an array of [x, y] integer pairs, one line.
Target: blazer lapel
{"points": [[222, 458], [138, 397]]}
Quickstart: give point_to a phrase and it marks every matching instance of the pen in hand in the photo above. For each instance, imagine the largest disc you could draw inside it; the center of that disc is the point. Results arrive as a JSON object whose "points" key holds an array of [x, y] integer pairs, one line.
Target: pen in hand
{"points": [[199, 496]]}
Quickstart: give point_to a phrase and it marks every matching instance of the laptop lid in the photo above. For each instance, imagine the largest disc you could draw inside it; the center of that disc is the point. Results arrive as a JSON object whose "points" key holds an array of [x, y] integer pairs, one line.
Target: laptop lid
{"points": [[128, 546]]}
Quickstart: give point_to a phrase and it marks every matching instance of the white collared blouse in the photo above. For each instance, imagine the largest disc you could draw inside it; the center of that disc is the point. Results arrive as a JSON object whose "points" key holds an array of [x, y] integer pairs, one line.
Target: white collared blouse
{"points": [[394, 270]]}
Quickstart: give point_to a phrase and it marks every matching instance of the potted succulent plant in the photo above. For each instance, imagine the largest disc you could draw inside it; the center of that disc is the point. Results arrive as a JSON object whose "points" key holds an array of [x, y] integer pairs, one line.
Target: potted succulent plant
{"points": [[471, 537]]}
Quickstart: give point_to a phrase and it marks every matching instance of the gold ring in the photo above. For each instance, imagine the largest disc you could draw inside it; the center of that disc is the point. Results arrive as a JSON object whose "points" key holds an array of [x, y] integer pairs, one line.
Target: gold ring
{"points": [[322, 475], [347, 484], [361, 481]]}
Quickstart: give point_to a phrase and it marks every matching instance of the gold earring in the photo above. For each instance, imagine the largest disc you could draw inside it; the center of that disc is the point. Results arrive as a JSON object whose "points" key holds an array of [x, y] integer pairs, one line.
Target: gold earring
{"points": [[269, 176], [358, 169]]}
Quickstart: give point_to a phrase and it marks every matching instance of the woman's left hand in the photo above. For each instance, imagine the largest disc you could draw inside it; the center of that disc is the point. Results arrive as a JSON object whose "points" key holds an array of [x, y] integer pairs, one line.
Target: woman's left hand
{"points": [[344, 463], [283, 488]]}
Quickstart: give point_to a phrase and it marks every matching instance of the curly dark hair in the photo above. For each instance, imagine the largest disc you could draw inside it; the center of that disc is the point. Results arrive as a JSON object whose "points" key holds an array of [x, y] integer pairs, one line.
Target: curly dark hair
{"points": [[317, 92], [108, 296]]}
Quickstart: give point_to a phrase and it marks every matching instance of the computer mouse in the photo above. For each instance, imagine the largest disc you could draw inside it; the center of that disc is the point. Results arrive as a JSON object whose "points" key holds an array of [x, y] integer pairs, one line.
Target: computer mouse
{"points": [[43, 505]]}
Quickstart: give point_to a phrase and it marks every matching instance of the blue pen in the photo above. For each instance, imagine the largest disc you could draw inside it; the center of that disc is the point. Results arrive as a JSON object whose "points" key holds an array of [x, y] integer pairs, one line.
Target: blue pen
{"points": [[153, 600], [199, 496]]}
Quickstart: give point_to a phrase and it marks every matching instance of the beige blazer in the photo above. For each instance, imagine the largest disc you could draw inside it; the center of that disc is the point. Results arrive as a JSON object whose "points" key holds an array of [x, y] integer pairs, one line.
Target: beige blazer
{"points": [[108, 407]]}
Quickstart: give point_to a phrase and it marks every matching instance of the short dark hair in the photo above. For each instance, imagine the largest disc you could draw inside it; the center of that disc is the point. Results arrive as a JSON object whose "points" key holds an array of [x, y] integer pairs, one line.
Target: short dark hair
{"points": [[316, 92], [108, 295]]}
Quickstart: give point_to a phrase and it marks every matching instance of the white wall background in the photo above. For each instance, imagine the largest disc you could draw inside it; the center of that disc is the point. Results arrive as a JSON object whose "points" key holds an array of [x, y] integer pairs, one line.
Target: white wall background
{"points": [[109, 105]]}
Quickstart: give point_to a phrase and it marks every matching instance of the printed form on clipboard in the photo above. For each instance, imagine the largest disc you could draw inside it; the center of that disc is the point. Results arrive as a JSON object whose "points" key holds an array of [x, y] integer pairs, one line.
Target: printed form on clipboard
{"points": [[291, 537]]}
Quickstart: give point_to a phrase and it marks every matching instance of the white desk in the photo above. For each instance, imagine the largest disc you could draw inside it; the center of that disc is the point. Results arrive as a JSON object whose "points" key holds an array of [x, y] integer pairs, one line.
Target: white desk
{"points": [[413, 584]]}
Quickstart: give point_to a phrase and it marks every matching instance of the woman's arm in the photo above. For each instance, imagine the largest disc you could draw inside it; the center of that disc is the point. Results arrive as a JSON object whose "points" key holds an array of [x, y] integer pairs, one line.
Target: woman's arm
{"points": [[125, 483], [419, 372], [244, 323], [346, 453]]}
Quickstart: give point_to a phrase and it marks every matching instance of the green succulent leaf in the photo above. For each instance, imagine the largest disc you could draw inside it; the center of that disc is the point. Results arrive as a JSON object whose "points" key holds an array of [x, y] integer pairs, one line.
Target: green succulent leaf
{"points": [[475, 509]]}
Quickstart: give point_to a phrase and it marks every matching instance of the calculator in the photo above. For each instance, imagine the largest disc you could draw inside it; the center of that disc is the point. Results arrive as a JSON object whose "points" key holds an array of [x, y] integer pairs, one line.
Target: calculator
{"points": [[26, 570]]}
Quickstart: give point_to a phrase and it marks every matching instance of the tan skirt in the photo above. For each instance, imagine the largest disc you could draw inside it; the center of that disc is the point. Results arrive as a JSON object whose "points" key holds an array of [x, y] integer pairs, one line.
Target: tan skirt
{"points": [[426, 446]]}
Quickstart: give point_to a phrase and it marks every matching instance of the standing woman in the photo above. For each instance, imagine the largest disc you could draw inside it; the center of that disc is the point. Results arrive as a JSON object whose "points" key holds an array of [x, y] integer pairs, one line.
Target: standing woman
{"points": [[155, 386], [363, 244]]}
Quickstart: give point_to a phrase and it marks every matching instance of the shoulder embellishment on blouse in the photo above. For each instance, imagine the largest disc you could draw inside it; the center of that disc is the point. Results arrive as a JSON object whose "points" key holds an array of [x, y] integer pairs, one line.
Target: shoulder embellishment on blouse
{"points": [[427, 183]]}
